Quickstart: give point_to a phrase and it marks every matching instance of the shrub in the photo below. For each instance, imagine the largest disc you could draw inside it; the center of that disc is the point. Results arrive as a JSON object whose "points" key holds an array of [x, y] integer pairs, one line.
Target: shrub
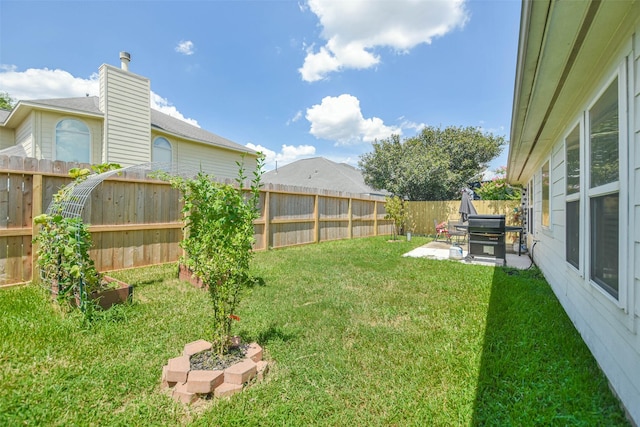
{"points": [[396, 212], [218, 241]]}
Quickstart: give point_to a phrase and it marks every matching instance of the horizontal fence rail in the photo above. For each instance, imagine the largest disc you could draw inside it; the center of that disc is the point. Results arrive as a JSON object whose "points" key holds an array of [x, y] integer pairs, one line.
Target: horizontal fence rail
{"points": [[136, 220], [421, 215]]}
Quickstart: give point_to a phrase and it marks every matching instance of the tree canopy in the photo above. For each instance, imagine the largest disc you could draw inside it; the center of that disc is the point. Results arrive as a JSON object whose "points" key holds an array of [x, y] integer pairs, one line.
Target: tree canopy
{"points": [[6, 102], [498, 188], [433, 165]]}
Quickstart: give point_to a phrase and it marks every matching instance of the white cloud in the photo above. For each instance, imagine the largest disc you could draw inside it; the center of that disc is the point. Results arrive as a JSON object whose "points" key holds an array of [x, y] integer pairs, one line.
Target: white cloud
{"points": [[164, 106], [339, 119], [295, 118], [408, 124], [355, 28], [287, 154], [43, 83], [185, 47]]}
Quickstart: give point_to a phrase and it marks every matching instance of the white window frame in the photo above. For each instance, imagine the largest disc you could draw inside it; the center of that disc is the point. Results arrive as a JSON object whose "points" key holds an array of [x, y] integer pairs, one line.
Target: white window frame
{"points": [[54, 153], [580, 124], [544, 226], [620, 187], [531, 216], [153, 146]]}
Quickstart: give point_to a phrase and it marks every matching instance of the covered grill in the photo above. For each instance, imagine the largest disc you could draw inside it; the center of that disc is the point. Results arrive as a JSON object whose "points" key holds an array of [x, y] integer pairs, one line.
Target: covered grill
{"points": [[487, 236]]}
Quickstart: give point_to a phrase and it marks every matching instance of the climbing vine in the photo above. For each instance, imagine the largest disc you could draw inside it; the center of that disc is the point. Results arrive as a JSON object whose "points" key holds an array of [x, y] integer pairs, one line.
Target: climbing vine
{"points": [[63, 246]]}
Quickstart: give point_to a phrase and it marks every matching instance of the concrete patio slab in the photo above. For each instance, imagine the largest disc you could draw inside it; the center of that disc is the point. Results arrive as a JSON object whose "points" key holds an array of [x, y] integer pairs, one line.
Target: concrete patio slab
{"points": [[440, 251]]}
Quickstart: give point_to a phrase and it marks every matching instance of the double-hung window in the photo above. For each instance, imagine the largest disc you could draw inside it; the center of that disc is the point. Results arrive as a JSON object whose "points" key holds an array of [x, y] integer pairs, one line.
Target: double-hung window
{"points": [[572, 161], [604, 189], [546, 199]]}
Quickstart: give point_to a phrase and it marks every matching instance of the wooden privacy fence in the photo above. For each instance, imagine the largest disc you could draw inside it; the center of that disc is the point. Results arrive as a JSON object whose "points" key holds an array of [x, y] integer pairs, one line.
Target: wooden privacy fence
{"points": [[136, 220], [420, 215]]}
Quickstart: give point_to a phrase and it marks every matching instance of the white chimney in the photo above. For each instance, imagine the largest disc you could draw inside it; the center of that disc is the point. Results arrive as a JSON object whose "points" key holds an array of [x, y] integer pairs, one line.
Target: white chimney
{"points": [[124, 60]]}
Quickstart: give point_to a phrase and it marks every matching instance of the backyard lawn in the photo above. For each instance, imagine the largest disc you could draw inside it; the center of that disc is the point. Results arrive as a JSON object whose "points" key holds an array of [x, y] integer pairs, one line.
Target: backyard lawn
{"points": [[355, 333]]}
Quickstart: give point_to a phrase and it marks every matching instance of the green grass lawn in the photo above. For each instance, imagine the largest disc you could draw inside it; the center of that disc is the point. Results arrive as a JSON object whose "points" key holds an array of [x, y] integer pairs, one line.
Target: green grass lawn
{"points": [[356, 335]]}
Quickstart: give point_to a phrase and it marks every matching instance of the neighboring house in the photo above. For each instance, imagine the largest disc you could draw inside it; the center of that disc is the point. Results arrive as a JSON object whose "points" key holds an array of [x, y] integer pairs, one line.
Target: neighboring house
{"points": [[323, 174], [575, 143], [118, 126]]}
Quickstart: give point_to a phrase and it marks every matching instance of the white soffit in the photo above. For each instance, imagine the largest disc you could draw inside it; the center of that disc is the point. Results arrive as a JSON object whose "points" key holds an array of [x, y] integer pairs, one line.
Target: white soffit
{"points": [[557, 70]]}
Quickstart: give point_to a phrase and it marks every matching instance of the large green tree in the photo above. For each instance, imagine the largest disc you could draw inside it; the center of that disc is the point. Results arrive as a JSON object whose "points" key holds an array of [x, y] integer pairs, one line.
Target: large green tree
{"points": [[433, 165], [6, 102]]}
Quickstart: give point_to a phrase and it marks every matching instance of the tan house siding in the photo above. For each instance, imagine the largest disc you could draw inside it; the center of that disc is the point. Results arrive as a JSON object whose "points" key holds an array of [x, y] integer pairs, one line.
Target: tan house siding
{"points": [[196, 156], [45, 133], [42, 140], [24, 134], [125, 101], [7, 138]]}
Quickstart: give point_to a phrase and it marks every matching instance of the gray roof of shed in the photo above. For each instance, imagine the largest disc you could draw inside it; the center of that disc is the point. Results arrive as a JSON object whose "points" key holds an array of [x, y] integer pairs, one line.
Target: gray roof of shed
{"points": [[323, 174]]}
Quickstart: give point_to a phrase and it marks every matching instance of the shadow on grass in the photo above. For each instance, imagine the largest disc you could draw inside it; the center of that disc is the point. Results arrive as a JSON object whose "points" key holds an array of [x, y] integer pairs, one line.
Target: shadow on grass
{"points": [[256, 281], [535, 368], [270, 334]]}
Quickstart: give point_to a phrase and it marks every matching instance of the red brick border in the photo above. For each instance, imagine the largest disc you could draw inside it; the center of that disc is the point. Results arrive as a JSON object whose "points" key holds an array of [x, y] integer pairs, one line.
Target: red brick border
{"points": [[188, 386]]}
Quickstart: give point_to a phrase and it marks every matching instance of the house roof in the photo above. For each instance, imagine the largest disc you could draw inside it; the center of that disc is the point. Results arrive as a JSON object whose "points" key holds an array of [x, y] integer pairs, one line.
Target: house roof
{"points": [[323, 174], [166, 123], [3, 115], [564, 50], [89, 105]]}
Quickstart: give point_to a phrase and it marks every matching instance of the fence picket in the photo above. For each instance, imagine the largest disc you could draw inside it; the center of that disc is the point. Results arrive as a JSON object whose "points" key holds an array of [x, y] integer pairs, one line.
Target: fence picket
{"points": [[136, 220]]}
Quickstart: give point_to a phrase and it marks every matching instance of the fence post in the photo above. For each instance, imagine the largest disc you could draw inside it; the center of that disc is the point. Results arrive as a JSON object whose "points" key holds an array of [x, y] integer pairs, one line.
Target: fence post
{"points": [[350, 213], [36, 209], [375, 217], [267, 229], [316, 220]]}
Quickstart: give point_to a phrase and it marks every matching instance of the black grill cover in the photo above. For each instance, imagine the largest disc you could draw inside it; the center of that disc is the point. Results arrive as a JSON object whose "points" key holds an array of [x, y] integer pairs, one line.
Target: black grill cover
{"points": [[486, 223]]}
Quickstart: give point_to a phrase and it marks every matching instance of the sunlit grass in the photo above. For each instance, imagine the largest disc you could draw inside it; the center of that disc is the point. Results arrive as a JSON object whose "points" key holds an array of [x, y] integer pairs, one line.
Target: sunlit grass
{"points": [[357, 335]]}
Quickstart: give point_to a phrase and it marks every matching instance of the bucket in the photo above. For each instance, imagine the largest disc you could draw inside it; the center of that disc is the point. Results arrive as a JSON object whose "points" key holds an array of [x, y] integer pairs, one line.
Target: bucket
{"points": [[455, 252]]}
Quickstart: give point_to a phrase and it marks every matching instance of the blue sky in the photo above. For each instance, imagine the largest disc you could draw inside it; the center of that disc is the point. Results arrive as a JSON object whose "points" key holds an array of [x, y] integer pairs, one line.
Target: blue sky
{"points": [[294, 79]]}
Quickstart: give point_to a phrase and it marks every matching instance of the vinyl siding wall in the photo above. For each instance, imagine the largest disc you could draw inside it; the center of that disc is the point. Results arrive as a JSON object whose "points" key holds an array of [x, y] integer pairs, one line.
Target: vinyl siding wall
{"points": [[24, 134], [7, 138], [44, 132], [217, 161], [124, 98], [610, 328]]}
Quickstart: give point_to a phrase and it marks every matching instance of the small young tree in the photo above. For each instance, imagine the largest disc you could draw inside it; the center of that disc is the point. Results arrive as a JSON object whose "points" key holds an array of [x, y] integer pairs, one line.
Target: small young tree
{"points": [[219, 239], [395, 212]]}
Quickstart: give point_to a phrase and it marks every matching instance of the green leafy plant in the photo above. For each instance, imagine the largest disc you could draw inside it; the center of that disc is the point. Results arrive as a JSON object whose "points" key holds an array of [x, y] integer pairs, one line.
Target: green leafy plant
{"points": [[63, 257], [498, 188], [218, 241], [396, 212], [63, 248]]}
